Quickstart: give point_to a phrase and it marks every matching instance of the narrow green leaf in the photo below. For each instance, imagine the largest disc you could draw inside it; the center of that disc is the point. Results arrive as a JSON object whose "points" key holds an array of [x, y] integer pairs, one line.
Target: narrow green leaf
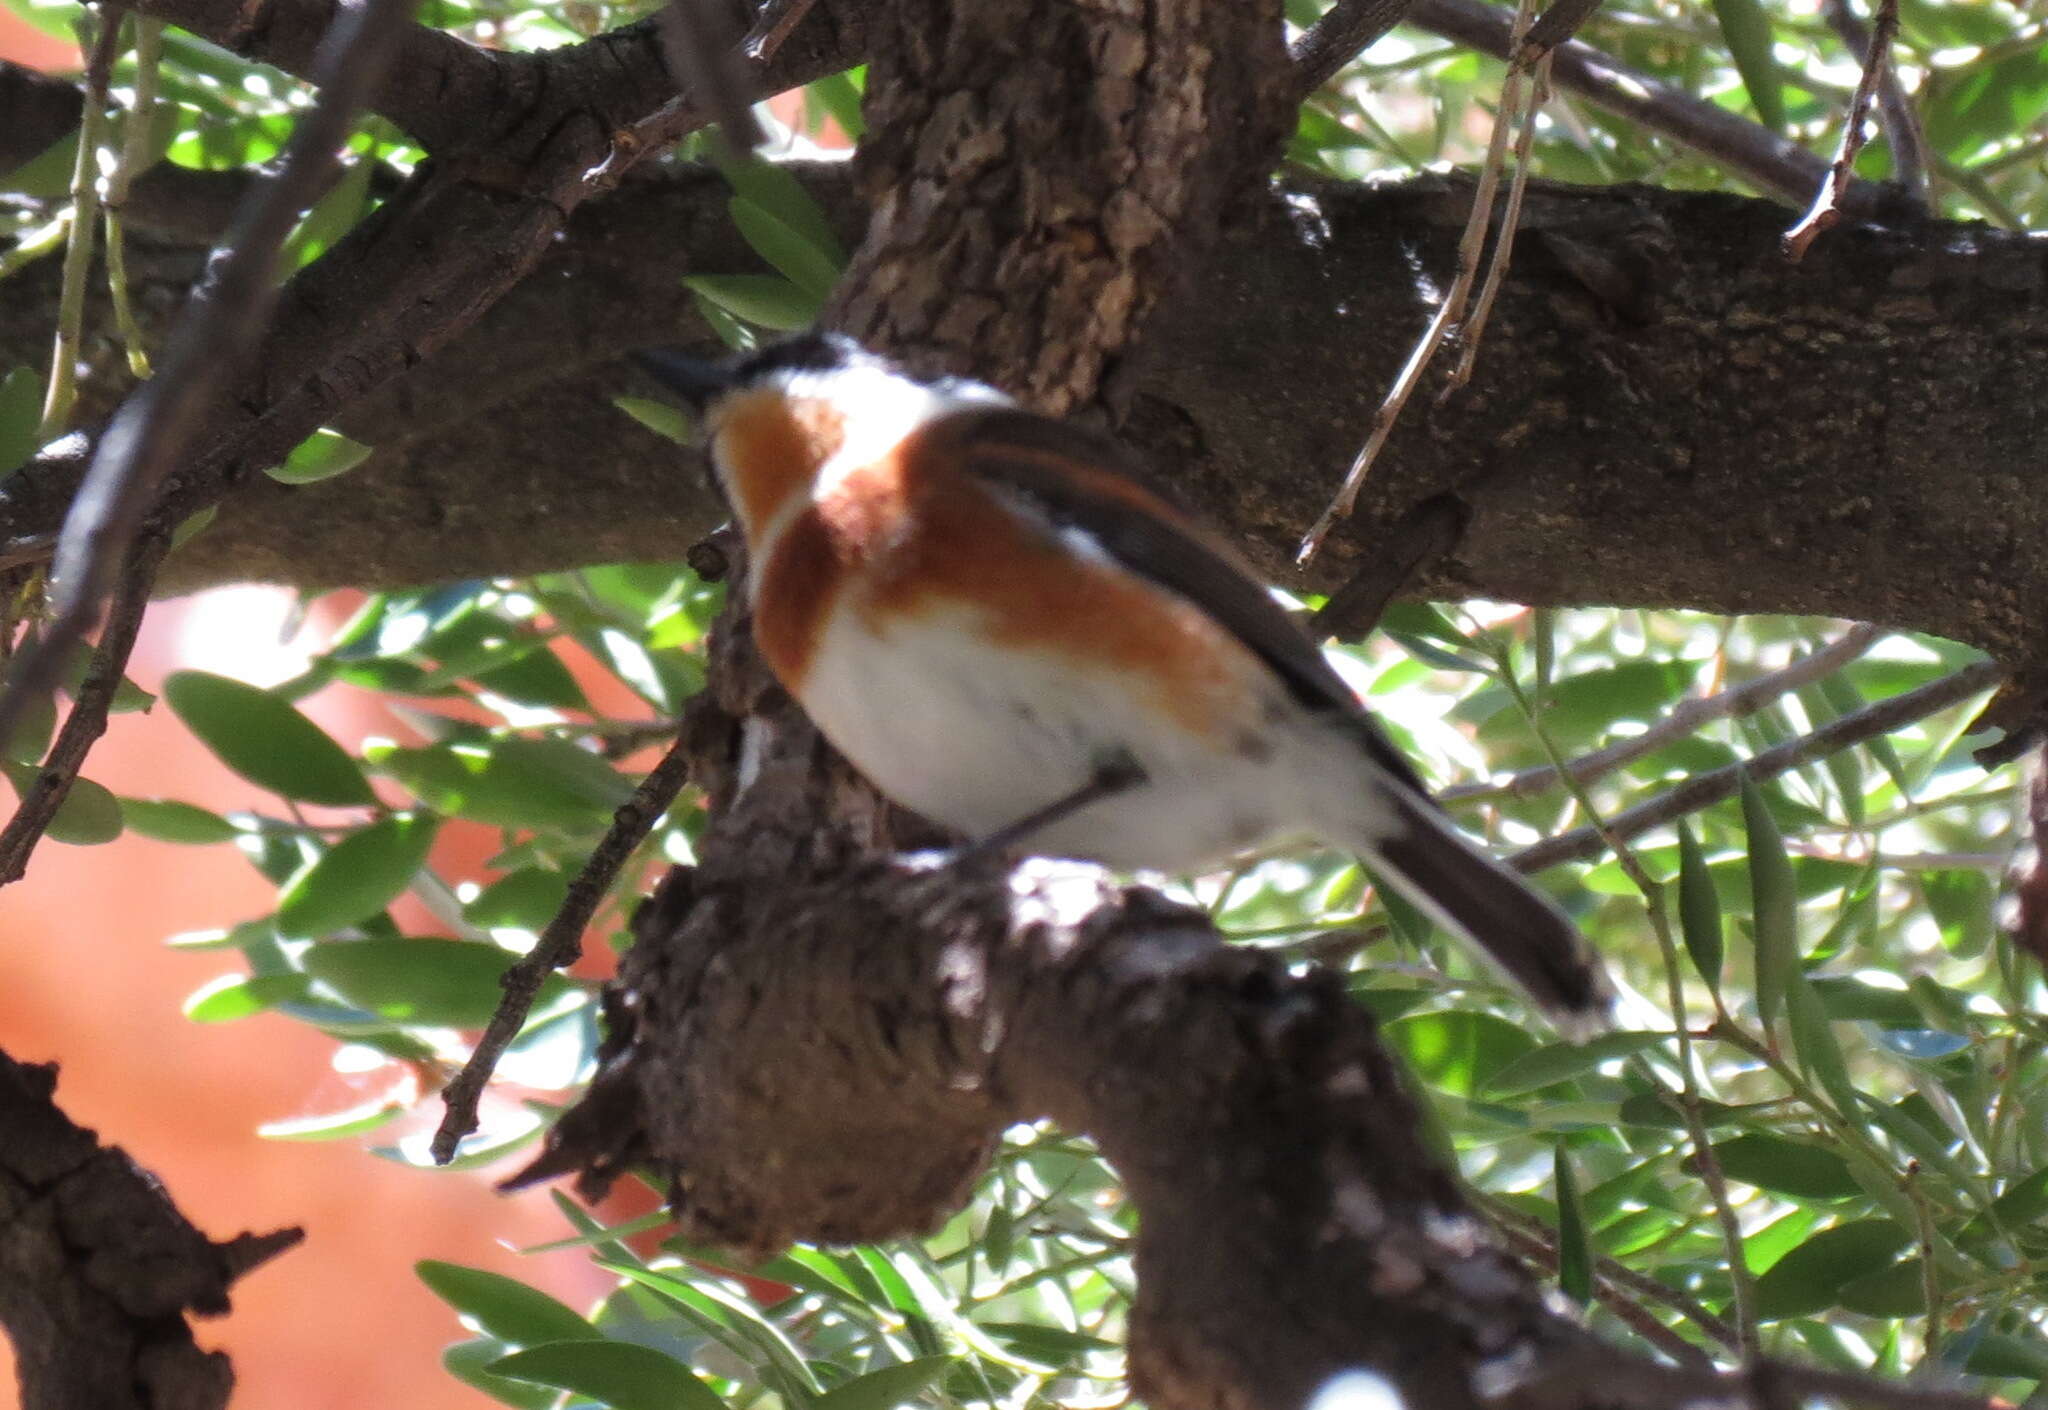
{"points": [[167, 820], [1818, 1051], [467, 1360], [32, 736], [356, 878], [838, 95], [1809, 1279], [1774, 899], [805, 265], [321, 456], [335, 1125], [658, 417], [1461, 1052], [1699, 909], [193, 525], [47, 174], [526, 899], [1746, 25], [266, 740], [233, 996], [773, 188], [768, 300], [508, 1309], [21, 414], [1786, 1167], [1574, 1252], [1560, 1062], [88, 816], [886, 1387], [330, 218], [443, 983], [615, 1373]]}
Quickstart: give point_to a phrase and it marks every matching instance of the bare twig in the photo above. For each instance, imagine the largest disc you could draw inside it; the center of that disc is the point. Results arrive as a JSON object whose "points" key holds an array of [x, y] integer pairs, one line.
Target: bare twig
{"points": [[1902, 129], [1347, 29], [1448, 314], [220, 327], [1473, 330], [1684, 718], [1775, 164], [777, 21], [87, 720], [558, 945], [1553, 27], [1704, 789], [1827, 203]]}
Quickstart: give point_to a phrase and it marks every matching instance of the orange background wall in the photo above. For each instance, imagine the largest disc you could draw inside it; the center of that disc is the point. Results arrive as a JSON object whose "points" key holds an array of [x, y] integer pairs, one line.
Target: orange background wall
{"points": [[340, 1323]]}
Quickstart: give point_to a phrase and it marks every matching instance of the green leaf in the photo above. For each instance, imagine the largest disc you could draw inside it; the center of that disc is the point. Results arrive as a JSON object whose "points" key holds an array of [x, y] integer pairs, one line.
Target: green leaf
{"points": [[615, 1373], [886, 1387], [233, 996], [1989, 102], [321, 456], [47, 174], [32, 736], [504, 1307], [431, 981], [467, 1362], [1699, 909], [266, 740], [538, 783], [526, 899], [1574, 1252], [21, 416], [167, 820], [356, 878], [1584, 705], [1809, 1279], [658, 417], [1786, 1167], [838, 95], [774, 189], [1459, 1052], [1815, 1045], [330, 218], [803, 263], [1775, 900], [767, 300], [88, 816], [335, 1125], [1560, 1062], [1746, 25]]}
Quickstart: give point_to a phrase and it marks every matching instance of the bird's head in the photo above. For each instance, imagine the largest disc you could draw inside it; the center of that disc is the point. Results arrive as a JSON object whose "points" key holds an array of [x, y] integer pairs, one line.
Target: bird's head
{"points": [[788, 419]]}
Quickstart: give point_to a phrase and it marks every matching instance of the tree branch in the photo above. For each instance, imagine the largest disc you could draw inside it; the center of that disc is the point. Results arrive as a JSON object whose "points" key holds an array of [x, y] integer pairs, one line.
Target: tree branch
{"points": [[98, 1270], [1702, 790], [1681, 722]]}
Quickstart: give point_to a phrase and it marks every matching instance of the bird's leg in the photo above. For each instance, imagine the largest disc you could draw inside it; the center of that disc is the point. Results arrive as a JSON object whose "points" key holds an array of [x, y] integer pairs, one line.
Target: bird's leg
{"points": [[1115, 774]]}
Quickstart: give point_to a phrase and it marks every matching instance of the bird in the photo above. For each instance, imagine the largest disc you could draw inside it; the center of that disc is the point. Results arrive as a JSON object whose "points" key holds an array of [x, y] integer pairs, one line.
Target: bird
{"points": [[990, 614]]}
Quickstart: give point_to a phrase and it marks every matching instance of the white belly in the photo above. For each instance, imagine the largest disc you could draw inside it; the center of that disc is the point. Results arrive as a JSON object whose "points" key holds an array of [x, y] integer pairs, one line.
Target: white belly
{"points": [[976, 737]]}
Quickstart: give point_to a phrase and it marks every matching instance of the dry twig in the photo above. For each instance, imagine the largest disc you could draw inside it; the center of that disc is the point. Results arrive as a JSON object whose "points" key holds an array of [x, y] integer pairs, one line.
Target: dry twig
{"points": [[558, 945], [1683, 719], [1346, 30], [1704, 789], [1826, 209]]}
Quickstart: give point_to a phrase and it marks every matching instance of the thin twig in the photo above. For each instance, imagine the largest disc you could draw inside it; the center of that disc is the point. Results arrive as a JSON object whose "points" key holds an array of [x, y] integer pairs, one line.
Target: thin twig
{"points": [[221, 325], [1684, 719], [1775, 164], [1346, 30], [1452, 310], [1703, 790], [559, 945], [1474, 328], [135, 153], [61, 391], [1902, 131], [1827, 204], [776, 22], [87, 720]]}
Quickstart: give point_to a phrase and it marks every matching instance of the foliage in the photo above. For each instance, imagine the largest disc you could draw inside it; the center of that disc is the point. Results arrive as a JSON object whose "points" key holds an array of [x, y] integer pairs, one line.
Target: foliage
{"points": [[1838, 1141]]}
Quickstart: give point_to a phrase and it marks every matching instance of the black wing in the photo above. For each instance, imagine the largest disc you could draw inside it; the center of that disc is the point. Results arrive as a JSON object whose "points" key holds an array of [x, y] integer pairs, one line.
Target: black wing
{"points": [[1022, 454]]}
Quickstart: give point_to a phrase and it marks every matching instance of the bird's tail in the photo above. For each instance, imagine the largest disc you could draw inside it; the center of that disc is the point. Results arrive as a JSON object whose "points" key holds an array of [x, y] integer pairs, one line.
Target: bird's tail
{"points": [[1410, 842]]}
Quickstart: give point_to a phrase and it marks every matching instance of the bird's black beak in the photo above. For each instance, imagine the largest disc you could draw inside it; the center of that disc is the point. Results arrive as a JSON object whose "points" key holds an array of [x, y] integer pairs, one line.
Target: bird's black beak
{"points": [[696, 381]]}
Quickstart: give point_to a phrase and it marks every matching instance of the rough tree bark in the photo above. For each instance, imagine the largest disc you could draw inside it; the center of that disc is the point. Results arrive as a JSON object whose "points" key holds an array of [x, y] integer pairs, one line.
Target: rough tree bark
{"points": [[98, 1270]]}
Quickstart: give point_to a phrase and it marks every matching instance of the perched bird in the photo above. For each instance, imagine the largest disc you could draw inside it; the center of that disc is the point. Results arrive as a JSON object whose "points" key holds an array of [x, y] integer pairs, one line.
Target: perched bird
{"points": [[985, 611]]}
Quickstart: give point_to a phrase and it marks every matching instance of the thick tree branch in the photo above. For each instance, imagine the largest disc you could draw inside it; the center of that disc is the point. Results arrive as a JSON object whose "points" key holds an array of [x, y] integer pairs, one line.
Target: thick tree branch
{"points": [[98, 1270]]}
